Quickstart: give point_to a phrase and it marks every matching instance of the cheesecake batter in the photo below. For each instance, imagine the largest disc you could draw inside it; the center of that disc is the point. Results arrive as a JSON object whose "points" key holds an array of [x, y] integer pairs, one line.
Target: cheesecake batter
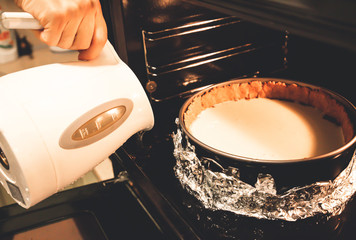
{"points": [[264, 128]]}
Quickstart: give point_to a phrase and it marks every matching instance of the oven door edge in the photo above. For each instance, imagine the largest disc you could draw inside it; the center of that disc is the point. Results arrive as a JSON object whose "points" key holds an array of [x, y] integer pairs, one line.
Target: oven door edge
{"points": [[162, 213]]}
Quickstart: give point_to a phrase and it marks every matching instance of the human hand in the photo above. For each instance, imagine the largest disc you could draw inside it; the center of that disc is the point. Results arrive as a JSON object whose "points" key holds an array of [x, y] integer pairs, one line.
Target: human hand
{"points": [[70, 24]]}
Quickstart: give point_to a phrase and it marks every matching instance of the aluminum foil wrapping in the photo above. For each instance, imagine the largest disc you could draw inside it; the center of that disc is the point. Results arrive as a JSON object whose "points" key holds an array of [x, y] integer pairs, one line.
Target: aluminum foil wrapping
{"points": [[223, 190]]}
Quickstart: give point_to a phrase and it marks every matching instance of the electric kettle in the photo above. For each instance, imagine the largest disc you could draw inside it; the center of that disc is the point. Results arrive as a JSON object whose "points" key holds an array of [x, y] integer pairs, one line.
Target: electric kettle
{"points": [[59, 121]]}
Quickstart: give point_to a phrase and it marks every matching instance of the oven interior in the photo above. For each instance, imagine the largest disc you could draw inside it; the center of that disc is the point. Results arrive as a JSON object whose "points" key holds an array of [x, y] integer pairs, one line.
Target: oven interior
{"points": [[177, 48]]}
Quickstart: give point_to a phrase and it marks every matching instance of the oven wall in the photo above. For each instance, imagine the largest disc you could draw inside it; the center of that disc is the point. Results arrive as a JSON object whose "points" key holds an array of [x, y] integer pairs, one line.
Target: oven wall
{"points": [[322, 64]]}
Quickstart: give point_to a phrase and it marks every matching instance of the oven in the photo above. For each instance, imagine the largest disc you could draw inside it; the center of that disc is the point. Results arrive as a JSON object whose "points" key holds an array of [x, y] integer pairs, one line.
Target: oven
{"points": [[177, 48]]}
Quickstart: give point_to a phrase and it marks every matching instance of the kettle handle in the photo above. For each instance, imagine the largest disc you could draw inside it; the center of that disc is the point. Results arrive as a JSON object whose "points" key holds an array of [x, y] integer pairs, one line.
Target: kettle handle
{"points": [[19, 20]]}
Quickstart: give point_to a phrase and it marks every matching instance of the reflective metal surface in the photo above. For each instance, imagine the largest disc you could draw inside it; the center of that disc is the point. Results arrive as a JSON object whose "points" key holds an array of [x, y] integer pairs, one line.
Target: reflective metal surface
{"points": [[224, 190]]}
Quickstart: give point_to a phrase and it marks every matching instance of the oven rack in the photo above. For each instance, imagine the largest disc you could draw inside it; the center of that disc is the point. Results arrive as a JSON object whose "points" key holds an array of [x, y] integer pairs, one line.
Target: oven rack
{"points": [[183, 58]]}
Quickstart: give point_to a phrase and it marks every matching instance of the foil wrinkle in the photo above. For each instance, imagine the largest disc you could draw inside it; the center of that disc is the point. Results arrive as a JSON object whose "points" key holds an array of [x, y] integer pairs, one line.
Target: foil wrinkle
{"points": [[223, 190]]}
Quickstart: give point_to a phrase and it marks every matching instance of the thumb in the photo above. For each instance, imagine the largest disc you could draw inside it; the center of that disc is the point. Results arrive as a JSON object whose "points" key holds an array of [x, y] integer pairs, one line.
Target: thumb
{"points": [[43, 36]]}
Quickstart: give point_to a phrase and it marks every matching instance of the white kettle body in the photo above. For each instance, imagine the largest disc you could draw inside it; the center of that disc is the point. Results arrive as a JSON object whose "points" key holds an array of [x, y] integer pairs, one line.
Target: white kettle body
{"points": [[59, 121]]}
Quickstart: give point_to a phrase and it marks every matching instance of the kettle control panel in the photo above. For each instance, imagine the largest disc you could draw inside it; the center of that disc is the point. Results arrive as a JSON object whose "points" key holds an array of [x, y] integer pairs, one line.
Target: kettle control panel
{"points": [[96, 124]]}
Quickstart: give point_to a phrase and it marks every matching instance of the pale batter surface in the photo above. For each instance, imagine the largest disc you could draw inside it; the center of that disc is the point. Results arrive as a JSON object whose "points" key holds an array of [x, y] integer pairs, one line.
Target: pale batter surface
{"points": [[265, 128]]}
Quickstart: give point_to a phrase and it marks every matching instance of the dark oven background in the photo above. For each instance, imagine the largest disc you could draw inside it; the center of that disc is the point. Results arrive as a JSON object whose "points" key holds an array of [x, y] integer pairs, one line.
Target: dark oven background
{"points": [[178, 47], [175, 46]]}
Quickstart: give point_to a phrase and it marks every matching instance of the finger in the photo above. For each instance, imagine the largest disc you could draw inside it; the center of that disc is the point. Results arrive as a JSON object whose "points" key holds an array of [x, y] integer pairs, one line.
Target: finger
{"points": [[98, 41], [52, 31], [84, 34], [50, 37], [69, 34]]}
